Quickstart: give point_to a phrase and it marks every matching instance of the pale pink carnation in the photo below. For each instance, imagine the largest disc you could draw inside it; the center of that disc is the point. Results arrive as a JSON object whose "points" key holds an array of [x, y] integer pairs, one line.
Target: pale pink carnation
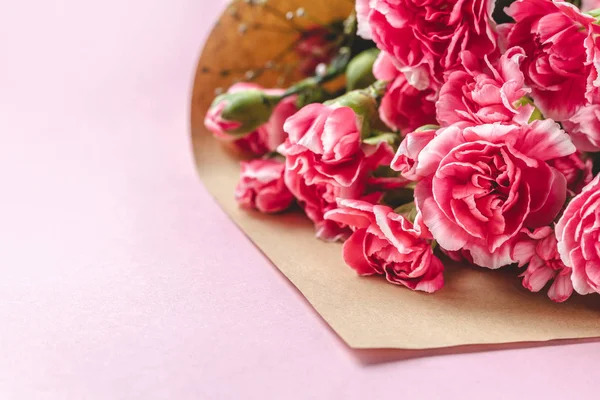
{"points": [[261, 187], [483, 184], [538, 250], [578, 235], [386, 243]]}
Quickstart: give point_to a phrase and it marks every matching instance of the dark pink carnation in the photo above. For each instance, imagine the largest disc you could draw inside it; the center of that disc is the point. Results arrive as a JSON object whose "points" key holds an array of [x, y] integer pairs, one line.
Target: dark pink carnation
{"points": [[483, 93], [425, 38], [483, 184], [578, 235], [386, 243], [538, 250], [261, 186], [552, 35], [403, 107]]}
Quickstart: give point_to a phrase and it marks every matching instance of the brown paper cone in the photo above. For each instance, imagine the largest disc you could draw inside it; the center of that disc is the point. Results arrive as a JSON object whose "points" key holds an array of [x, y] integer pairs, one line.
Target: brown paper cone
{"points": [[476, 306]]}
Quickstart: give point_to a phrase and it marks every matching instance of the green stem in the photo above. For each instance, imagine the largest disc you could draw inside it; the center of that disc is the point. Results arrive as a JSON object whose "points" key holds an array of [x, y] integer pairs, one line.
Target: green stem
{"points": [[377, 89], [388, 137], [335, 69]]}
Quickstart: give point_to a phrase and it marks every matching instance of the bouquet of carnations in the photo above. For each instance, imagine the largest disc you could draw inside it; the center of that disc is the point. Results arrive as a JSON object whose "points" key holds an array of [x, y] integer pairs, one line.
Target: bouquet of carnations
{"points": [[464, 130]]}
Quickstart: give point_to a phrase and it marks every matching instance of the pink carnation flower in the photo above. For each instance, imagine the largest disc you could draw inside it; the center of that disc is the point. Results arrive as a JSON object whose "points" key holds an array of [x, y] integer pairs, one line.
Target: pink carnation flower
{"points": [[538, 250], [552, 35], [483, 94], [425, 39], [578, 235], [326, 160], [261, 187], [403, 107], [324, 144], [385, 243], [483, 184]]}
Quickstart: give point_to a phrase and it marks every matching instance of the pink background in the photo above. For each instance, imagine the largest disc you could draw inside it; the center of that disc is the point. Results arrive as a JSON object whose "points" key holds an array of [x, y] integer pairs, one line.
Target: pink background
{"points": [[122, 279]]}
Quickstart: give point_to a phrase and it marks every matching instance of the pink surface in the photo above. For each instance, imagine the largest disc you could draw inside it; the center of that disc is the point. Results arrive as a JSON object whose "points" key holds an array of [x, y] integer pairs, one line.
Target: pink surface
{"points": [[122, 279]]}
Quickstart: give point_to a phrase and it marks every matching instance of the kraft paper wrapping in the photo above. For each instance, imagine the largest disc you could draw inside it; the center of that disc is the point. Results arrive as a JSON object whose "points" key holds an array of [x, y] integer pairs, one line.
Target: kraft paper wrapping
{"points": [[476, 306]]}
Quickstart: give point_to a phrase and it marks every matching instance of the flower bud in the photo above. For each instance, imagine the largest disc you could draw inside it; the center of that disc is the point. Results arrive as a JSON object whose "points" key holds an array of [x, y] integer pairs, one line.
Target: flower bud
{"points": [[359, 73], [363, 104], [236, 113]]}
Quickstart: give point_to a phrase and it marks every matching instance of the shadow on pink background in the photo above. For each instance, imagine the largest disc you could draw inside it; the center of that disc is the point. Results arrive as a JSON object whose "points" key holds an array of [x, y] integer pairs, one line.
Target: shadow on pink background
{"points": [[118, 275]]}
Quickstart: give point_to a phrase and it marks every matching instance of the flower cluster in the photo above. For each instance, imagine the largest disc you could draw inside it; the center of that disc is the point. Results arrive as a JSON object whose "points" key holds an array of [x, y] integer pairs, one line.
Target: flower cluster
{"points": [[455, 137]]}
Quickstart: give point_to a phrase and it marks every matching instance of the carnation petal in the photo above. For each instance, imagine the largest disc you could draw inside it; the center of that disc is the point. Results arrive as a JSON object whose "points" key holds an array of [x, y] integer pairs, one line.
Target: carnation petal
{"points": [[492, 260], [561, 289], [353, 253], [545, 141], [354, 213], [442, 229]]}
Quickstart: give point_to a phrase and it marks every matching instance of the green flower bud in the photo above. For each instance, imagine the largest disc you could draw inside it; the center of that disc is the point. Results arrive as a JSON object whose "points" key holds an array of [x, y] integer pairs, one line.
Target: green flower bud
{"points": [[363, 104], [359, 73], [243, 111]]}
